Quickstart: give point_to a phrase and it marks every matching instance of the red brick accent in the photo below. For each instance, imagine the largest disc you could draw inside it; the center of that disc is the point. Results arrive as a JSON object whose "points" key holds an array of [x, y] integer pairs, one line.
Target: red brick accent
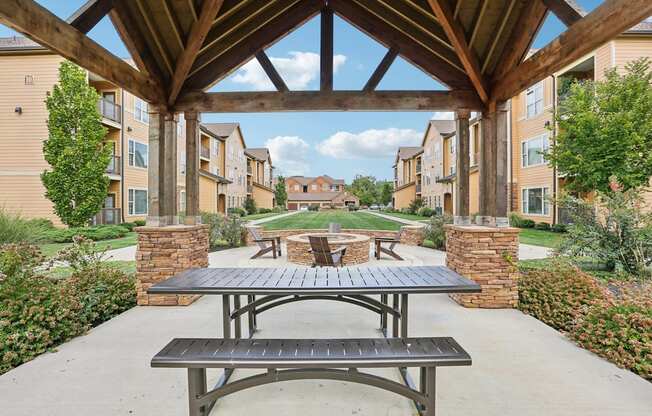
{"points": [[485, 255], [163, 252]]}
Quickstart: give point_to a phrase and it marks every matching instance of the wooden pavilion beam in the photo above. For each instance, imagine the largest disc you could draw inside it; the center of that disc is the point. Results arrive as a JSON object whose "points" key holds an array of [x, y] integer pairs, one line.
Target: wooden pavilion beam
{"points": [[90, 14], [264, 101], [496, 36], [381, 70], [37, 23], [525, 31], [456, 35], [326, 50], [606, 22], [271, 71], [568, 11], [196, 37]]}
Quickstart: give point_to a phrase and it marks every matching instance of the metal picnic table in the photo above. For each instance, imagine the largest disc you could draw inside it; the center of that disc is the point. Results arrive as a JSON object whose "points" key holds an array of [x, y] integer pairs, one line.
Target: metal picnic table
{"points": [[266, 288]]}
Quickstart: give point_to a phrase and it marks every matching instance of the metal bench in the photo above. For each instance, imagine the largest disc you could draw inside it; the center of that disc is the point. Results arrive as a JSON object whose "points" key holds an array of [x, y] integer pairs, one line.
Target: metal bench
{"points": [[299, 359]]}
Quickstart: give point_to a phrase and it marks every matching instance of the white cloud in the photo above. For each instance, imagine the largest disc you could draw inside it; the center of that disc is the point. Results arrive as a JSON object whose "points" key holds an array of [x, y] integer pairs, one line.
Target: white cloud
{"points": [[443, 115], [289, 154], [372, 144], [297, 71]]}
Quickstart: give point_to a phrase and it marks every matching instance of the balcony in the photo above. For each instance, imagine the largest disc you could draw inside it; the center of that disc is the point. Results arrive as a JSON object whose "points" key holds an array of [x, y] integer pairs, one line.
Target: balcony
{"points": [[108, 216], [419, 167], [249, 170], [109, 110], [418, 187], [114, 167], [205, 152], [250, 189]]}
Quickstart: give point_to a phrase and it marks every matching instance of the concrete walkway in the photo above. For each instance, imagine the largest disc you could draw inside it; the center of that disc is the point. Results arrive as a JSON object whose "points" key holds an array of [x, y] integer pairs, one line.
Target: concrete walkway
{"points": [[272, 218], [393, 218], [521, 367]]}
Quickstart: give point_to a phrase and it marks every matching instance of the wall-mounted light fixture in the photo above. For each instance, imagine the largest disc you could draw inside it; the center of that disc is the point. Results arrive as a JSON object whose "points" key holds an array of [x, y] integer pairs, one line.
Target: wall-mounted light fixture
{"points": [[129, 128], [18, 110]]}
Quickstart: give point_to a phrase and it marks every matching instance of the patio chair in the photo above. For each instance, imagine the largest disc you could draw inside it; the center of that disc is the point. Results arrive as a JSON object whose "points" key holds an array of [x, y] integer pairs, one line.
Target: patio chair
{"points": [[323, 255], [266, 244], [392, 241]]}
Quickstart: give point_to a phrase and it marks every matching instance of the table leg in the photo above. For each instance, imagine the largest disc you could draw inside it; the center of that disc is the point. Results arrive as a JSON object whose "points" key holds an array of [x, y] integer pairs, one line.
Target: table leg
{"points": [[251, 316], [383, 316], [226, 334], [404, 315], [395, 321], [238, 319]]}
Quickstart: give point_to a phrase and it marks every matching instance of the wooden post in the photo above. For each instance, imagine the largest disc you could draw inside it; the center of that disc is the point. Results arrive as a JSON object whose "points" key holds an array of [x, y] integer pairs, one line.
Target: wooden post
{"points": [[502, 163], [168, 200], [488, 168], [326, 72], [462, 163], [154, 168], [192, 168]]}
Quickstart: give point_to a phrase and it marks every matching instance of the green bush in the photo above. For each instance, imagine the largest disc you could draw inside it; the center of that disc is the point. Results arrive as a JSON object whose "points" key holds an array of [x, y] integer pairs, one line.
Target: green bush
{"points": [[222, 229], [620, 330], [234, 231], [426, 212], [250, 206], [16, 229], [139, 223], [527, 223], [264, 211], [559, 228], [415, 205], [236, 211], [215, 224], [313, 207], [435, 231], [129, 225], [543, 226], [353, 208], [95, 233], [278, 209], [557, 294], [515, 220]]}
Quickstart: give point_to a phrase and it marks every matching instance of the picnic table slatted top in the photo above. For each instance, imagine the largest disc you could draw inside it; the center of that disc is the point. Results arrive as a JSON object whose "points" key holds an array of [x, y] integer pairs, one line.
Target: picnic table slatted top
{"points": [[324, 280]]}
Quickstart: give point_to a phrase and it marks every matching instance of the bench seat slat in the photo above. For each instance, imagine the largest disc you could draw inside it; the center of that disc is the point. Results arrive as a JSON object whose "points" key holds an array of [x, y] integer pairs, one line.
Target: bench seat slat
{"points": [[306, 353]]}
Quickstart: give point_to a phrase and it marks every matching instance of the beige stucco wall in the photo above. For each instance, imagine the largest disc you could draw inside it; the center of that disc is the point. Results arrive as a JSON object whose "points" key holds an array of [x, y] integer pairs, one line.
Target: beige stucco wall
{"points": [[403, 196], [236, 169], [207, 195], [263, 196]]}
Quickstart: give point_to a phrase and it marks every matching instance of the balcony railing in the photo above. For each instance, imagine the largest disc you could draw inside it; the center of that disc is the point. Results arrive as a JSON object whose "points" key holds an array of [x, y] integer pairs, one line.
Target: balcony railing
{"points": [[250, 189], [419, 167], [249, 170], [418, 188], [109, 110], [114, 167], [108, 216], [205, 153]]}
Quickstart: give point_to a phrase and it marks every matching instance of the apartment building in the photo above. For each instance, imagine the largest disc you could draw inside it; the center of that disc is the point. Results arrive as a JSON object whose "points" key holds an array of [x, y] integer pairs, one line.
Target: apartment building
{"points": [[407, 176], [260, 174], [28, 73], [321, 191]]}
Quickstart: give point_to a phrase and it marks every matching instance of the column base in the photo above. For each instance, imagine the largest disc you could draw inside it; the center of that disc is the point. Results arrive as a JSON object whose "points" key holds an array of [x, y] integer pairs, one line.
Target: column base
{"points": [[461, 220], [163, 221]]}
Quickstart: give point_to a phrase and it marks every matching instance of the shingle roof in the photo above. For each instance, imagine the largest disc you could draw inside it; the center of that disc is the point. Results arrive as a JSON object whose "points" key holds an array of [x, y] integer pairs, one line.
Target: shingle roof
{"points": [[305, 180], [406, 152], [261, 153], [443, 126], [14, 43], [221, 129], [312, 196]]}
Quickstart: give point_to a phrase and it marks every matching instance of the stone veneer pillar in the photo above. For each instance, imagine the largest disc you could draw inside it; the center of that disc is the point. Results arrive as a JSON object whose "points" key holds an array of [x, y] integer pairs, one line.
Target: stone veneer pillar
{"points": [[412, 235], [163, 252], [487, 256]]}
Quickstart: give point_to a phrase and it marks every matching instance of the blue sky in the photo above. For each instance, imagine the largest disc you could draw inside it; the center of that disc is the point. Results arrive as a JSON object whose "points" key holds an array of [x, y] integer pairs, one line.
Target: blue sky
{"points": [[338, 144]]}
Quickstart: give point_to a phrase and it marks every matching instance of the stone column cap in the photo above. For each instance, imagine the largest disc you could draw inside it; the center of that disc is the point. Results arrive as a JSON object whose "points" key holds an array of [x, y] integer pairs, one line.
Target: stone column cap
{"points": [[168, 228], [482, 229]]}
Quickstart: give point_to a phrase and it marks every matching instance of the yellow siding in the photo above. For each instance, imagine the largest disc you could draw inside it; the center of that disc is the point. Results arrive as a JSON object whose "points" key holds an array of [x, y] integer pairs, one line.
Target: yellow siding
{"points": [[628, 49], [264, 198], [404, 196], [603, 59], [474, 193], [207, 195]]}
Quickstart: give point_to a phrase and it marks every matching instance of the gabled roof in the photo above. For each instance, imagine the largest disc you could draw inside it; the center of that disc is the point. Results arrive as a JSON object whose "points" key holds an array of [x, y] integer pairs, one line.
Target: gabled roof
{"points": [[305, 180], [408, 152], [261, 153], [222, 130], [19, 43], [312, 196]]}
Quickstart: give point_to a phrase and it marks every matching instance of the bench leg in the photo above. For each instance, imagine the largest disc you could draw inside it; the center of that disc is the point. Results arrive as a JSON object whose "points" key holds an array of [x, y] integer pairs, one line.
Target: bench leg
{"points": [[238, 320], [430, 391], [226, 316], [383, 316], [251, 317], [395, 321], [196, 387]]}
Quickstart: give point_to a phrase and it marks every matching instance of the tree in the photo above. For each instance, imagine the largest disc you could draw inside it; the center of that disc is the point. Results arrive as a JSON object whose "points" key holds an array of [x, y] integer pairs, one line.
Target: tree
{"points": [[76, 184], [250, 206], [280, 193], [386, 191], [364, 187], [605, 129]]}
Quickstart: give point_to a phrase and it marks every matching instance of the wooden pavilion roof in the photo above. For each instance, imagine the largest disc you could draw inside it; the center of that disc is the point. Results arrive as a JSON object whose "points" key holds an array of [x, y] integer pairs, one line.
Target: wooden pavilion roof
{"points": [[183, 47]]}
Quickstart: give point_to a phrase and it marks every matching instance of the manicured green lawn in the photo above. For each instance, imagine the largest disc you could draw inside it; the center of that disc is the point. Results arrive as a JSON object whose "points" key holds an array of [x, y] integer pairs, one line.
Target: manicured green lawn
{"points": [[313, 220], [411, 217], [540, 238], [129, 239], [259, 216]]}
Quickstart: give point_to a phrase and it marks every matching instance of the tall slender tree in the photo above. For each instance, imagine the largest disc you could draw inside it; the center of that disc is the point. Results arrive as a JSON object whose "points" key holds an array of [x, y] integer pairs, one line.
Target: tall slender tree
{"points": [[76, 182], [280, 193]]}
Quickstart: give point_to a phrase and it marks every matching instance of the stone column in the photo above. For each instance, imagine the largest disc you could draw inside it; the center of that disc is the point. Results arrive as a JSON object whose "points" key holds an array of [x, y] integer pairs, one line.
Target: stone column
{"points": [[488, 256], [412, 235], [192, 168], [155, 168], [165, 251], [487, 167], [462, 167]]}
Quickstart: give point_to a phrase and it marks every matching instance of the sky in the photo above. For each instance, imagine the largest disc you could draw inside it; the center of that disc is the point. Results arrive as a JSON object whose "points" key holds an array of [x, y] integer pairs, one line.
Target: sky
{"points": [[340, 144]]}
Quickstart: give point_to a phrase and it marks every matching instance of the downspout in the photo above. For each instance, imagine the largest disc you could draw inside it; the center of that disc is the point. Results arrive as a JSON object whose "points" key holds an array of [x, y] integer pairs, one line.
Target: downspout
{"points": [[122, 155], [554, 136]]}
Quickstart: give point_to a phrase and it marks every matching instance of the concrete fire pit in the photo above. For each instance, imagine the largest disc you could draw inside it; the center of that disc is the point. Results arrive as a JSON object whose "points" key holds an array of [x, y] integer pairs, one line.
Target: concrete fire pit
{"points": [[357, 247]]}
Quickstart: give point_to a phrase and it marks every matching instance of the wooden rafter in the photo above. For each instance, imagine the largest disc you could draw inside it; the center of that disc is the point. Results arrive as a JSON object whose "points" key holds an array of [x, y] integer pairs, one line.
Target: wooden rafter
{"points": [[254, 102], [413, 52], [271, 71], [155, 35], [607, 21], [90, 14], [266, 34], [496, 36], [568, 11], [174, 23], [381, 70], [198, 32], [326, 50], [37, 23], [475, 27], [456, 35], [518, 44]]}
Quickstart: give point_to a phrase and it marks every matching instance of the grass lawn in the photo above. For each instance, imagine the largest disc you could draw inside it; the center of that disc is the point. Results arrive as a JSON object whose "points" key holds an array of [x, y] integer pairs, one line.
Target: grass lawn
{"points": [[540, 238], [259, 216], [411, 217], [129, 239], [128, 267], [312, 220]]}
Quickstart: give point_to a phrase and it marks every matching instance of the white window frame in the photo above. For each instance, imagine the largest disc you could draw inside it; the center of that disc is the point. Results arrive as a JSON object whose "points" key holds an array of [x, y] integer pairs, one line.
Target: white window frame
{"points": [[132, 161], [141, 114], [532, 92], [525, 202], [182, 162], [545, 145], [182, 201], [131, 201], [215, 147]]}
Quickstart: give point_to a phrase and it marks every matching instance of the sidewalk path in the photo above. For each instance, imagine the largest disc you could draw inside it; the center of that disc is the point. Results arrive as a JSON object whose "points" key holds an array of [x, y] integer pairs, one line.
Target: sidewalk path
{"points": [[393, 218], [272, 218]]}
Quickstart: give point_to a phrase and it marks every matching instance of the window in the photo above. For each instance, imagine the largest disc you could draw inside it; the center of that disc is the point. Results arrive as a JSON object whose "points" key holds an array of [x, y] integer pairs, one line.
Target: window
{"points": [[534, 100], [182, 162], [137, 202], [532, 151], [313, 187], [324, 187], [182, 201], [138, 154], [535, 201], [451, 143], [141, 110], [297, 187], [214, 147]]}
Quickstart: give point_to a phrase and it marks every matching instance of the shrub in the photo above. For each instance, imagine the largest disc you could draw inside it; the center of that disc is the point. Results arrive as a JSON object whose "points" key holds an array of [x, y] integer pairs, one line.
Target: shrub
{"points": [[557, 294], [233, 231], [313, 207], [515, 220], [559, 228], [425, 212], [95, 233], [435, 231], [236, 211], [15, 229], [415, 205], [353, 208], [620, 331], [215, 224], [220, 229], [278, 209], [129, 225], [264, 211], [139, 223], [250, 206], [543, 226], [527, 223]]}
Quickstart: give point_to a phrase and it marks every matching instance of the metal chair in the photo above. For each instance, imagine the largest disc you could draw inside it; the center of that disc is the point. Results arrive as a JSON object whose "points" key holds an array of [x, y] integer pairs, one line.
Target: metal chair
{"points": [[266, 244], [392, 241], [322, 253]]}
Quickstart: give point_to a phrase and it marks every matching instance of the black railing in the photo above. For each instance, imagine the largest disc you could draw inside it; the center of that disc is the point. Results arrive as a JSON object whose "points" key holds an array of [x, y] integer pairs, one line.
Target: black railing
{"points": [[108, 216], [114, 167], [109, 110]]}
